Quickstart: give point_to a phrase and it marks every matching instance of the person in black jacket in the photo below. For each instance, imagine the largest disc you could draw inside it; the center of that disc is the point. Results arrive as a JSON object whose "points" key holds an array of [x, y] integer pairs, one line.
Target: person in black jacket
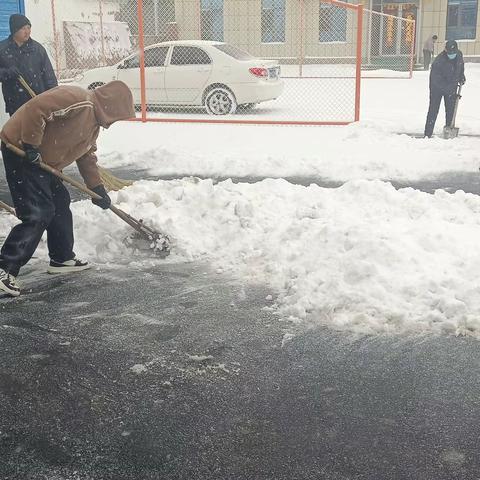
{"points": [[448, 71], [21, 55]]}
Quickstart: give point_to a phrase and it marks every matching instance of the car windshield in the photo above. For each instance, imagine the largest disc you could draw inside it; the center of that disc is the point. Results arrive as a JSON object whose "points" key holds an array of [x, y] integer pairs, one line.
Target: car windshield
{"points": [[233, 51]]}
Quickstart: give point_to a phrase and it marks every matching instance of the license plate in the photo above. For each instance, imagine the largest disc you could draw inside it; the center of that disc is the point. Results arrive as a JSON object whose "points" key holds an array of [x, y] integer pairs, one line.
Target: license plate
{"points": [[273, 72]]}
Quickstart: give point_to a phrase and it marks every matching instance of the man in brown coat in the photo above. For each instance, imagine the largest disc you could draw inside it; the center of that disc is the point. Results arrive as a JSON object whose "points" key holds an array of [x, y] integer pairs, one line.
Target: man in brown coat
{"points": [[58, 127]]}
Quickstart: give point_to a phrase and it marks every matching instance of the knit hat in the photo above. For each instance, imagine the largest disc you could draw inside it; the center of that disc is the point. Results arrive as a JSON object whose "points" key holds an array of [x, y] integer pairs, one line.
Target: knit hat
{"points": [[451, 46], [18, 21]]}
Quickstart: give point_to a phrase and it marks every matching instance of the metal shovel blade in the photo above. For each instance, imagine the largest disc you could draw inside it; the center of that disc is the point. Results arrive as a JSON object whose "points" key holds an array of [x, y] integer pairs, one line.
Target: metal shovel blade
{"points": [[450, 132], [155, 243]]}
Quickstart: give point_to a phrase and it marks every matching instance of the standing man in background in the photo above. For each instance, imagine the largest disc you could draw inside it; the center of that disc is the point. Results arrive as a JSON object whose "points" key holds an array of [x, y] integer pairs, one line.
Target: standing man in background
{"points": [[428, 51], [21, 55]]}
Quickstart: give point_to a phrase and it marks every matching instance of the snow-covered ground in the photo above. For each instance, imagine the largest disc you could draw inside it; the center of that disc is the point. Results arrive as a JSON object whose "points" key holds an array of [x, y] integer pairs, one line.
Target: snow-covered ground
{"points": [[370, 149], [363, 256]]}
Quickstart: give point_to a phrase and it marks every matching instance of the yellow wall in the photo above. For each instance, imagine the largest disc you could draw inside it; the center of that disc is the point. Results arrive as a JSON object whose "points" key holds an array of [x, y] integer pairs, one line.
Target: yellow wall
{"points": [[434, 21]]}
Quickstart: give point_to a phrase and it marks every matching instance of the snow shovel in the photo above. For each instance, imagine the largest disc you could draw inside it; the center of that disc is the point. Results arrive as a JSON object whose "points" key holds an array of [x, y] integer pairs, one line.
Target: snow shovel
{"points": [[156, 241], [451, 131]]}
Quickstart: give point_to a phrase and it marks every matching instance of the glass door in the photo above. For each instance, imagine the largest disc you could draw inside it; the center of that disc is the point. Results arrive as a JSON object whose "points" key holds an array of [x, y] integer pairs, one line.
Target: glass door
{"points": [[390, 29], [409, 12], [396, 35]]}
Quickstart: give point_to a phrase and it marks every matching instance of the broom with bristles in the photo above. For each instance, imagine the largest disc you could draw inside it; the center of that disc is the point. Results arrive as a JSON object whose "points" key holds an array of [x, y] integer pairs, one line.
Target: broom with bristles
{"points": [[110, 181]]}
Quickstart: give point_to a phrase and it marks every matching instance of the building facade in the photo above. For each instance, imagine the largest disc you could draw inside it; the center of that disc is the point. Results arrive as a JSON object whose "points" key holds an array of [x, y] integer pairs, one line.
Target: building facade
{"points": [[448, 19], [271, 27]]}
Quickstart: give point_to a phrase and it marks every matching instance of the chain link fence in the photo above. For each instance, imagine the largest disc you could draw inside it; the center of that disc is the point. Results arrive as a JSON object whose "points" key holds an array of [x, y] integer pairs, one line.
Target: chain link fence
{"points": [[248, 61], [389, 46]]}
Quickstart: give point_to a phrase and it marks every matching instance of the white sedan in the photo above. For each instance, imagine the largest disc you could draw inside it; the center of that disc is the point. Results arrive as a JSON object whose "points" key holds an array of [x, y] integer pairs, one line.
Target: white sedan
{"points": [[214, 75]]}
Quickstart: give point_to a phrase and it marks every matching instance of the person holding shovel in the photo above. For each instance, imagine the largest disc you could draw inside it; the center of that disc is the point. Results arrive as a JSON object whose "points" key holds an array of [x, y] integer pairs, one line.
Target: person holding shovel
{"points": [[446, 74], [20, 55], [57, 127]]}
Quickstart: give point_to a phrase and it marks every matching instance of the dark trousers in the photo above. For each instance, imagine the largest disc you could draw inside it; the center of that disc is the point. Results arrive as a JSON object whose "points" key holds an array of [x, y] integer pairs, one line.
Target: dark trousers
{"points": [[435, 100], [427, 58], [42, 203]]}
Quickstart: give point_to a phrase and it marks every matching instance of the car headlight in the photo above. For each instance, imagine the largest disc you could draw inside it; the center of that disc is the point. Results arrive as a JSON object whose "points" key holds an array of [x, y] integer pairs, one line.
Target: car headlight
{"points": [[79, 77]]}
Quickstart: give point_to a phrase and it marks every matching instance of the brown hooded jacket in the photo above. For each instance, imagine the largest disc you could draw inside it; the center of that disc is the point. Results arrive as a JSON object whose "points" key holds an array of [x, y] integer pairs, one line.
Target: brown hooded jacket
{"points": [[64, 123]]}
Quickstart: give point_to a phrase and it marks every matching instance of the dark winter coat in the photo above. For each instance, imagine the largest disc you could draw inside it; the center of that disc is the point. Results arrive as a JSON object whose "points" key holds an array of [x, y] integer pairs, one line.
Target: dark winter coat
{"points": [[32, 61], [446, 74]]}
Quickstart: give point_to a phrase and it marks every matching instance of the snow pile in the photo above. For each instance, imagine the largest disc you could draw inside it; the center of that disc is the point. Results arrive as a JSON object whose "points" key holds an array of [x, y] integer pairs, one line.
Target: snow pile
{"points": [[7, 221], [364, 256]]}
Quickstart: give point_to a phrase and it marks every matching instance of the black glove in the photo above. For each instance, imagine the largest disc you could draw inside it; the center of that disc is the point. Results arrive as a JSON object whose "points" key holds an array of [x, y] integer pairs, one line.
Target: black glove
{"points": [[103, 202], [32, 154], [12, 72]]}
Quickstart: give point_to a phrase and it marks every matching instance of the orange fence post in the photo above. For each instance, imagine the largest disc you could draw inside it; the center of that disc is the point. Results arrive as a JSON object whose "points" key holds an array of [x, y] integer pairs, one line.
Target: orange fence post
{"points": [[358, 79], [141, 48]]}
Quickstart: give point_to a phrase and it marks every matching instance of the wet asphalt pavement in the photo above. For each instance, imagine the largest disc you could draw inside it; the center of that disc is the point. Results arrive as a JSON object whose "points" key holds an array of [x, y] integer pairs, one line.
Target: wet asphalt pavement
{"points": [[469, 182], [176, 372]]}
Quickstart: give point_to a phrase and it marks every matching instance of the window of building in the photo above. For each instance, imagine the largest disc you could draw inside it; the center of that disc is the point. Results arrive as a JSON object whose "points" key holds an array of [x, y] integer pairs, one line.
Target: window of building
{"points": [[189, 56], [160, 13], [273, 21], [332, 23], [462, 19], [212, 20]]}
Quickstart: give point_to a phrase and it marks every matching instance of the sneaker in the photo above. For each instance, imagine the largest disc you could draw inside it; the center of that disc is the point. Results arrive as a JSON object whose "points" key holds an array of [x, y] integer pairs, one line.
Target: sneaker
{"points": [[8, 284], [70, 266]]}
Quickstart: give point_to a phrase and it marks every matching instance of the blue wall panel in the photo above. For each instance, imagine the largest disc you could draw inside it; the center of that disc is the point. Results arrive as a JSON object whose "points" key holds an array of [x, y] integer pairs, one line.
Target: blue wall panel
{"points": [[7, 7]]}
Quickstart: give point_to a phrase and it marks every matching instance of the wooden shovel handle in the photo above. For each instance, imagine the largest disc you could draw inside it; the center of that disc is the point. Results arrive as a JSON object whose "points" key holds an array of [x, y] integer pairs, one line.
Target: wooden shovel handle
{"points": [[26, 86]]}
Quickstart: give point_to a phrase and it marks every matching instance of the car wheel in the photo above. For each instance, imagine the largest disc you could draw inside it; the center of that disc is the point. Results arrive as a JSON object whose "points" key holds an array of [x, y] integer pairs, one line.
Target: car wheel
{"points": [[94, 85], [220, 101]]}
